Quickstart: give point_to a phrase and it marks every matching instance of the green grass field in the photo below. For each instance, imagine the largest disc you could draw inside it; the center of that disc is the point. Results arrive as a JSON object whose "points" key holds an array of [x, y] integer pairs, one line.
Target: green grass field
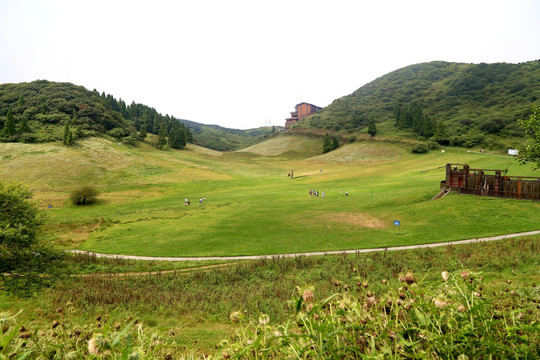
{"points": [[251, 206]]}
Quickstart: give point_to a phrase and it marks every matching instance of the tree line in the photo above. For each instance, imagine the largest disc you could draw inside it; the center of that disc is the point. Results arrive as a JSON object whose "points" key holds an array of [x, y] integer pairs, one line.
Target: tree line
{"points": [[43, 111]]}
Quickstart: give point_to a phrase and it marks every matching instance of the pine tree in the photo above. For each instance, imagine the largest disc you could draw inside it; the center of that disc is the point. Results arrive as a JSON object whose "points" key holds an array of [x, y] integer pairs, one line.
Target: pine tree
{"points": [[327, 144], [177, 137], [335, 143], [162, 137], [142, 132], [23, 126], [9, 125]]}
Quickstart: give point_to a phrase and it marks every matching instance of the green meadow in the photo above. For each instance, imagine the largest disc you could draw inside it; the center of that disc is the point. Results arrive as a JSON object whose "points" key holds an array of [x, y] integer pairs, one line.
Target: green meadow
{"points": [[251, 206]]}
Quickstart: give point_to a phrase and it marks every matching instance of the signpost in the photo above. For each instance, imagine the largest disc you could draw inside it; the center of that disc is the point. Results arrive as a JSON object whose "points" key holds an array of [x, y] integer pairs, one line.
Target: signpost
{"points": [[396, 223]]}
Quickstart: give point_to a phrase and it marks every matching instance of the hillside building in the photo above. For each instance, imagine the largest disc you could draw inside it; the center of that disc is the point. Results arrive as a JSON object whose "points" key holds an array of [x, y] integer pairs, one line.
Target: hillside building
{"points": [[302, 110]]}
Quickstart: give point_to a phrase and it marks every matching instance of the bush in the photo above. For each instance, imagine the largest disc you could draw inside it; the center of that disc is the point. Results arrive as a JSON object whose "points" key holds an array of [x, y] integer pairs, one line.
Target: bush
{"points": [[420, 149], [84, 195], [352, 138], [432, 145]]}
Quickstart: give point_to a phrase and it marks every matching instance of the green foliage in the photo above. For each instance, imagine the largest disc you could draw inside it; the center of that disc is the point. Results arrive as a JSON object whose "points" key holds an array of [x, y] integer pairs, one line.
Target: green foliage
{"points": [[529, 151], [330, 143], [9, 125], [162, 137], [223, 139], [84, 195], [68, 136], [421, 148], [47, 106], [178, 136], [436, 97], [372, 128], [459, 317], [26, 264], [312, 305]]}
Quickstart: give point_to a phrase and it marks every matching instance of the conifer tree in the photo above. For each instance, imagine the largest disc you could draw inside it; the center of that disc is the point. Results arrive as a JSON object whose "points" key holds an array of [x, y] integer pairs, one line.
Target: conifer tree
{"points": [[177, 137], [327, 144], [9, 125], [162, 137], [335, 143], [23, 126]]}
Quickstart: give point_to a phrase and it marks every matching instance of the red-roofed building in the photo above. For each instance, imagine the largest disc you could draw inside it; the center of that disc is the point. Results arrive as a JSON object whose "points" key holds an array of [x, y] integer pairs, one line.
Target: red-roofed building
{"points": [[302, 110]]}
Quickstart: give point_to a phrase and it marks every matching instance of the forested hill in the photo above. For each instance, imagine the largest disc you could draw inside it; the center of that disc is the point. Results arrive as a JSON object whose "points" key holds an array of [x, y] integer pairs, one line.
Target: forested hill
{"points": [[451, 103], [224, 139], [38, 111]]}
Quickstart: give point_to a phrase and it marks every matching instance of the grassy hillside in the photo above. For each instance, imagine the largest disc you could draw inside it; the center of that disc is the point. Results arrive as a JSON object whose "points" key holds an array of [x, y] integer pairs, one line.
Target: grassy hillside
{"points": [[250, 205], [477, 104]]}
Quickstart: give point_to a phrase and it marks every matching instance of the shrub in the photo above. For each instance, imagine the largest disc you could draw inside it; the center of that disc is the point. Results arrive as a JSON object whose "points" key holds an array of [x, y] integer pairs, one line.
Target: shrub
{"points": [[352, 138], [420, 149], [432, 145], [84, 195]]}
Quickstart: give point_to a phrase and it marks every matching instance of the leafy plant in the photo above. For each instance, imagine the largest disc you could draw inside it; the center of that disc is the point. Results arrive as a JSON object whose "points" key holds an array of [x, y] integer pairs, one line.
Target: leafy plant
{"points": [[84, 195]]}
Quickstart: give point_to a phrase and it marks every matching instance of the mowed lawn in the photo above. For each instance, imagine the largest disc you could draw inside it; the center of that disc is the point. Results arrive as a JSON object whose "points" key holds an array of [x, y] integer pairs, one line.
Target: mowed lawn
{"points": [[251, 206]]}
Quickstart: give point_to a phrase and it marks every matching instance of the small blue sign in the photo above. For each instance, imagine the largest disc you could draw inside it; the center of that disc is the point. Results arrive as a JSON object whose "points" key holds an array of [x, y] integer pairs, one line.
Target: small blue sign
{"points": [[396, 222], [50, 206]]}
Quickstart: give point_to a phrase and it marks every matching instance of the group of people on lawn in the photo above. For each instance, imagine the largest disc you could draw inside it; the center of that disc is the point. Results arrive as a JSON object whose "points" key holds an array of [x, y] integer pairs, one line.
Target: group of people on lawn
{"points": [[315, 193]]}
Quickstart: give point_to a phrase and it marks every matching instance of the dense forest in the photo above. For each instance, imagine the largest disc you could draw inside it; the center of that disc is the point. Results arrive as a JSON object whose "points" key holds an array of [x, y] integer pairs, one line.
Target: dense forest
{"points": [[450, 103], [42, 111]]}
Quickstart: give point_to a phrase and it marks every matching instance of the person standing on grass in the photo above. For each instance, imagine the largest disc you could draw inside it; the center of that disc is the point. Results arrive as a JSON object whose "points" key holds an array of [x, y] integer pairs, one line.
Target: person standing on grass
{"points": [[346, 192], [323, 194], [310, 192]]}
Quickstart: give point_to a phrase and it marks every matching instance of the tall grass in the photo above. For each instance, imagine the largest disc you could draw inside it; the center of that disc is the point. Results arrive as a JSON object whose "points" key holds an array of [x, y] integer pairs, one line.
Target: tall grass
{"points": [[502, 321]]}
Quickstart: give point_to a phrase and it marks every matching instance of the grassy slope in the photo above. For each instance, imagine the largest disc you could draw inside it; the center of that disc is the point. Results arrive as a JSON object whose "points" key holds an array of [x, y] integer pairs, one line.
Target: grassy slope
{"points": [[251, 206]]}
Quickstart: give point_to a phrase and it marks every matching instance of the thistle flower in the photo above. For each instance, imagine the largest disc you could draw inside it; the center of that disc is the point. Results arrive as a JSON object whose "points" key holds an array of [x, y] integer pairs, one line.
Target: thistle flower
{"points": [[439, 302], [409, 278], [445, 275], [235, 316], [98, 345], [307, 295]]}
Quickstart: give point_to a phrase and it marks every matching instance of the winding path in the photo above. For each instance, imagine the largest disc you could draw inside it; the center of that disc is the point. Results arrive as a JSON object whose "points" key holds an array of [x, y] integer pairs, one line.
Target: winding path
{"points": [[256, 257]]}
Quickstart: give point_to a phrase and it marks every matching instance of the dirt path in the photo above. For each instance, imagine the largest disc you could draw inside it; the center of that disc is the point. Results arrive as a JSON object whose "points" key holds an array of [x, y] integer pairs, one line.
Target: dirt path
{"points": [[256, 257]]}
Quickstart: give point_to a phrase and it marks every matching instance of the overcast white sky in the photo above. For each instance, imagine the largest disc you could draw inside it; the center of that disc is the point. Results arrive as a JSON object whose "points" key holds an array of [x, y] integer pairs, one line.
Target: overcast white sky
{"points": [[244, 64]]}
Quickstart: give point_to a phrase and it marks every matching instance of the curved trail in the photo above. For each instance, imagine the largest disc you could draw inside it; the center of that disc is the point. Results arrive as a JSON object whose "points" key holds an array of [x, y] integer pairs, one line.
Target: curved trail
{"points": [[257, 257]]}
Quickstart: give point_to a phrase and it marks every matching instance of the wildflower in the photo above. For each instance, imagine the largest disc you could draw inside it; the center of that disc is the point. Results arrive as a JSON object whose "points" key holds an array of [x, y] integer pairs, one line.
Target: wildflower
{"points": [[445, 275], [5, 321], [307, 295], [440, 303], [136, 354], [264, 319], [235, 316], [98, 345], [409, 278]]}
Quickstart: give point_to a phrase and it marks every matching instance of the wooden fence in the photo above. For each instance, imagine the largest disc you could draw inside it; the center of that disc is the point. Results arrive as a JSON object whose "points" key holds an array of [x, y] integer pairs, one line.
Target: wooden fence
{"points": [[486, 182]]}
